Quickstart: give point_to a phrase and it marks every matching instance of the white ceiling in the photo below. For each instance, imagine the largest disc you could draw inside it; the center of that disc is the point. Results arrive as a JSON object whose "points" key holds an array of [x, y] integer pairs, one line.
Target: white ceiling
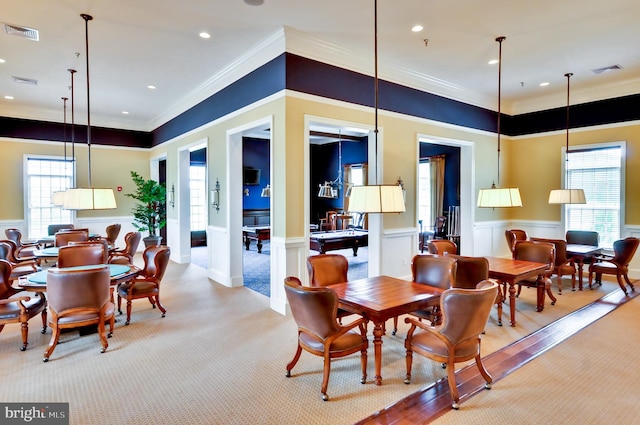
{"points": [[141, 42]]}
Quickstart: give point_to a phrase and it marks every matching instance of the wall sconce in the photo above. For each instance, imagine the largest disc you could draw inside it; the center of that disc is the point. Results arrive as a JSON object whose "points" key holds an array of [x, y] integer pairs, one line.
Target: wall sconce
{"points": [[172, 196], [404, 191], [246, 191], [215, 196]]}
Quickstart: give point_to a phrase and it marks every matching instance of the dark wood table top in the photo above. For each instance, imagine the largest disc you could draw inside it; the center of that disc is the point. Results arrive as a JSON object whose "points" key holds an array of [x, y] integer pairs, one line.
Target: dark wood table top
{"points": [[382, 297], [512, 270]]}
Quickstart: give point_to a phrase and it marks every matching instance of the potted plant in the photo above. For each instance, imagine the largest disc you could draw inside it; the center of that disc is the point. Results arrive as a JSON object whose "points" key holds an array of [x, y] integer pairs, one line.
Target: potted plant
{"points": [[150, 212]]}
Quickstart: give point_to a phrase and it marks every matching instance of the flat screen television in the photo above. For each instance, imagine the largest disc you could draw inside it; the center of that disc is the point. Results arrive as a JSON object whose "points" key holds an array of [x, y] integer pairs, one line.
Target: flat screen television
{"points": [[251, 176]]}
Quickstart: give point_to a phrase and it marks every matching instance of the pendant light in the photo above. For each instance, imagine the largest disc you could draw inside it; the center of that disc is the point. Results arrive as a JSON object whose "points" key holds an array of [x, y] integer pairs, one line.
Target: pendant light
{"points": [[330, 188], [57, 197], [89, 198], [376, 198], [496, 197], [567, 196], [266, 191]]}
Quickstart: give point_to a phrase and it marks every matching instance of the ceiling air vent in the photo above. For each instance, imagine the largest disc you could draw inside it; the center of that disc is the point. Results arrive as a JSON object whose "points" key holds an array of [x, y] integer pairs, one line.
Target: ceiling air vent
{"points": [[22, 80], [24, 32], [606, 69]]}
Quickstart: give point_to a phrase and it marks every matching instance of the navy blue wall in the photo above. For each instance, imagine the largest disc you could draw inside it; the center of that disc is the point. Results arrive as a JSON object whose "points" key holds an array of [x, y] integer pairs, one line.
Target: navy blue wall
{"points": [[255, 154], [451, 171], [289, 71], [325, 162]]}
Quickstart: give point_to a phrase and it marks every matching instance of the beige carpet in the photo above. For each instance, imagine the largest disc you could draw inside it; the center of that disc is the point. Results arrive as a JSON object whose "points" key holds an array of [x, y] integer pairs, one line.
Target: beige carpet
{"points": [[592, 378], [219, 357]]}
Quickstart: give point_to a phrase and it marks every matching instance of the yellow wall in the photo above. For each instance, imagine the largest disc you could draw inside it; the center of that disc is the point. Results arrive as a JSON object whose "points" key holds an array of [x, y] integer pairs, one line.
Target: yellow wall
{"points": [[110, 168], [535, 166], [531, 163]]}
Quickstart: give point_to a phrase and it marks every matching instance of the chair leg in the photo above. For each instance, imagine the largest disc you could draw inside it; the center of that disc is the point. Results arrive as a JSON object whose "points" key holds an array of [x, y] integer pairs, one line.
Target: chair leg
{"points": [[395, 325], [621, 283], [128, 312], [626, 278], [43, 315], [160, 306], [24, 328], [409, 361], [453, 388], [548, 290], [483, 371], [119, 304], [325, 377], [55, 335], [103, 336], [293, 362]]}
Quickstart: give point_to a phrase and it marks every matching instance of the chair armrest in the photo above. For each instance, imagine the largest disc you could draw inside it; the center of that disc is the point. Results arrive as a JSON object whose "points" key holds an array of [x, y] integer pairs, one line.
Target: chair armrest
{"points": [[18, 300]]}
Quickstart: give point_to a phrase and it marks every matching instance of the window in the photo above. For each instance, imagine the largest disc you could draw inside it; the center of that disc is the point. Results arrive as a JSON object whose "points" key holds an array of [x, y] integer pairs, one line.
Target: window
{"points": [[424, 193], [45, 175], [197, 189], [598, 170]]}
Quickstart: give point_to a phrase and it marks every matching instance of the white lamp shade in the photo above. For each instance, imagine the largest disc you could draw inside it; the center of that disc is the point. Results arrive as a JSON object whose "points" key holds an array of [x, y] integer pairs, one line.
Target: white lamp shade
{"points": [[89, 199], [57, 198], [266, 191], [499, 198], [376, 199], [567, 196]]}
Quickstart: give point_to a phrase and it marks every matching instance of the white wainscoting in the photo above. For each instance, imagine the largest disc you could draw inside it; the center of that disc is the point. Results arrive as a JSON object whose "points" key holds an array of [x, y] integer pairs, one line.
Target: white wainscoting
{"points": [[220, 266]]}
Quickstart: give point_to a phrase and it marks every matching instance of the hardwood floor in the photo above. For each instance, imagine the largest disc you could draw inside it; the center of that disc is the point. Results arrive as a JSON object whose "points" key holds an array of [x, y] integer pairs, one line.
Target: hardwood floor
{"points": [[434, 401]]}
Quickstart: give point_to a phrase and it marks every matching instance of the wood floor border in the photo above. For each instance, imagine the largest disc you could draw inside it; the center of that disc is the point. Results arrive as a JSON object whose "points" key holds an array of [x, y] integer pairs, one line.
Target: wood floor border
{"points": [[434, 400]]}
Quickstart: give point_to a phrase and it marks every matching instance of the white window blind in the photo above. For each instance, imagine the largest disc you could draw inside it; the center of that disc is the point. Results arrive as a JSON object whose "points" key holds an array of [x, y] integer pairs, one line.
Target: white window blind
{"points": [[45, 175], [598, 171]]}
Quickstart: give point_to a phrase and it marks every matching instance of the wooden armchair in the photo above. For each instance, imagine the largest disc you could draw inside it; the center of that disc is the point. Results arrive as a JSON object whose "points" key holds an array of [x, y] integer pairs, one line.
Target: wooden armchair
{"points": [[18, 306], [18, 267], [319, 333], [563, 265], [125, 255], [514, 235], [329, 221], [147, 283], [63, 238], [24, 249], [433, 270], [327, 269], [113, 230], [538, 252], [465, 313], [624, 250], [442, 247], [79, 298], [82, 254]]}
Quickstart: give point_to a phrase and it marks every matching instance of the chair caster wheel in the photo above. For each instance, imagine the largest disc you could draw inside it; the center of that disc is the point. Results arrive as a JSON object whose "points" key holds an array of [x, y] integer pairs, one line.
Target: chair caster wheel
{"points": [[126, 323], [288, 374], [407, 381], [23, 348], [109, 335], [363, 381], [487, 386], [455, 406], [102, 350], [325, 397], [46, 359]]}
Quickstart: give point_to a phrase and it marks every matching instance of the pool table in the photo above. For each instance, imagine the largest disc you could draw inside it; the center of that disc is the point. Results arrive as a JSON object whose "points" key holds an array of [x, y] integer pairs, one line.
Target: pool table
{"points": [[339, 239], [256, 233]]}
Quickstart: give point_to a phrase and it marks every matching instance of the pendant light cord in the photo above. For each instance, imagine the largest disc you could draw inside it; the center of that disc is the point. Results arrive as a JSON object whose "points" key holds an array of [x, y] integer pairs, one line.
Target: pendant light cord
{"points": [[375, 81], [566, 152], [499, 40], [88, 18], [73, 129]]}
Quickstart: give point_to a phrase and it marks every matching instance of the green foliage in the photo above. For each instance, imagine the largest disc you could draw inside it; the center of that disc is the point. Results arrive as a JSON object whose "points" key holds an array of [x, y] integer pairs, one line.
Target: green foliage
{"points": [[150, 213]]}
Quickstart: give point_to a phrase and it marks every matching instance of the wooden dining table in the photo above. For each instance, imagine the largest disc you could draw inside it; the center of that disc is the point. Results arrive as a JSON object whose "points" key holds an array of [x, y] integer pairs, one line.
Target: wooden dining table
{"points": [[510, 271], [380, 298], [578, 254]]}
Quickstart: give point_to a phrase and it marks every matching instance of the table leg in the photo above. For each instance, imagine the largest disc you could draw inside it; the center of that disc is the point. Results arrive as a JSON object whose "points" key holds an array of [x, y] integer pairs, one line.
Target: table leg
{"points": [[512, 302], [580, 265], [355, 249], [540, 288], [378, 331], [247, 242], [259, 246]]}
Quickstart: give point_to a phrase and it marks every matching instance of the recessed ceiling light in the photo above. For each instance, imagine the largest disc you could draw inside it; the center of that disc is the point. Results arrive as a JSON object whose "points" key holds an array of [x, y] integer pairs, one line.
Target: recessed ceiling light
{"points": [[493, 61], [2, 60], [254, 2], [9, 97], [125, 112], [417, 28], [204, 35], [151, 87], [544, 84]]}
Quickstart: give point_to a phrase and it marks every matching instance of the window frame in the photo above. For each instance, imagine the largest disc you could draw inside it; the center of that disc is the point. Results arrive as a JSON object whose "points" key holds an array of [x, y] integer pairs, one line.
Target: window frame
{"points": [[27, 188], [597, 146]]}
